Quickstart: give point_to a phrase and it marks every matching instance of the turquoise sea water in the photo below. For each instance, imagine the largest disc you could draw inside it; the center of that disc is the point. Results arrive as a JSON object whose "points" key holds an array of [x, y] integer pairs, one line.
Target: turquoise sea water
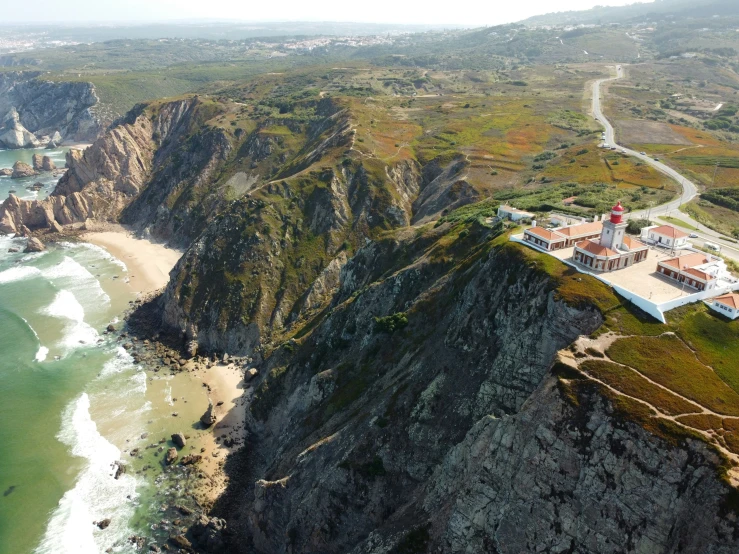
{"points": [[73, 402], [20, 186]]}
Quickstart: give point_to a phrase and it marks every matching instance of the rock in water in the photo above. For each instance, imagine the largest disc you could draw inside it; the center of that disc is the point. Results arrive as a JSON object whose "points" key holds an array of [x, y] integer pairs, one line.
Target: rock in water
{"points": [[180, 542], [6, 172], [47, 164], [15, 135], [179, 440], [171, 456], [21, 170], [37, 161], [103, 523], [208, 418], [34, 245], [191, 459], [120, 470]]}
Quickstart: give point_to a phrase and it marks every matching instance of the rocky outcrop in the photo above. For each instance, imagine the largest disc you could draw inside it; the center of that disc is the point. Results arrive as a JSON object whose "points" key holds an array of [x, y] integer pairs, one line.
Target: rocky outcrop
{"points": [[42, 163], [34, 245], [119, 169], [49, 108], [47, 164], [208, 419], [179, 440], [13, 134], [171, 456], [455, 436], [22, 170], [558, 477]]}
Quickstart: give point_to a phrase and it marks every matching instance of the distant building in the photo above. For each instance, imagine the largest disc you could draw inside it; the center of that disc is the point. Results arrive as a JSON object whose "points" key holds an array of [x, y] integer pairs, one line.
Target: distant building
{"points": [[696, 270], [561, 237], [666, 235], [727, 304], [514, 214], [612, 249]]}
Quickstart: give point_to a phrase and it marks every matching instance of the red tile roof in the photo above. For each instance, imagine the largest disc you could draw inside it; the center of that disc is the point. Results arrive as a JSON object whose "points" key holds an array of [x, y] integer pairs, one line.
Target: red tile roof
{"points": [[688, 260], [583, 229], [698, 273], [545, 234], [595, 248], [669, 231], [633, 244], [731, 300]]}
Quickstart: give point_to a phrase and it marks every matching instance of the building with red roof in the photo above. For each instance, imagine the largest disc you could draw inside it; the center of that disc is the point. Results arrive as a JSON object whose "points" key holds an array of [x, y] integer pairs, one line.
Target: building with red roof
{"points": [[667, 236], [696, 270], [612, 249], [726, 304]]}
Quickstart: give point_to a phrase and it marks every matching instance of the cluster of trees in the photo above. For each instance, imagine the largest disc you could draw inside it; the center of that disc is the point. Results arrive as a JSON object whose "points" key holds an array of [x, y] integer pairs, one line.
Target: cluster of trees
{"points": [[728, 198], [723, 120]]}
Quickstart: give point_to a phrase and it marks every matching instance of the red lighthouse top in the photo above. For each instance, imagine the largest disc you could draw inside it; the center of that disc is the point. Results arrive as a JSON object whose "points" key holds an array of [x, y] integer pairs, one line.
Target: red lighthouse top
{"points": [[617, 212]]}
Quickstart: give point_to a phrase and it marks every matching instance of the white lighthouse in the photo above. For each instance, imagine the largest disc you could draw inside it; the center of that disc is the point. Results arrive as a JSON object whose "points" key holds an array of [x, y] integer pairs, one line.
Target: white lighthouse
{"points": [[614, 229]]}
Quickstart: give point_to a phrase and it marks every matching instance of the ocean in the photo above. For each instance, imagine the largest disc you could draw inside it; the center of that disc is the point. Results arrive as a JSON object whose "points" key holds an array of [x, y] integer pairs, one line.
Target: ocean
{"points": [[74, 402], [21, 186]]}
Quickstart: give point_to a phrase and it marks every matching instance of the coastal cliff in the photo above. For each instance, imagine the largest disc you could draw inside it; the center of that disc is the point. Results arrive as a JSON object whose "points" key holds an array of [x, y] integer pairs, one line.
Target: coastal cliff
{"points": [[421, 413], [406, 394], [119, 168], [34, 108]]}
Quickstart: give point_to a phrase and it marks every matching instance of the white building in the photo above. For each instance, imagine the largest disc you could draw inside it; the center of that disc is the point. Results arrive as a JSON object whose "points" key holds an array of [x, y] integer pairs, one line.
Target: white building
{"points": [[697, 270], [665, 235], [726, 304], [562, 237], [612, 249], [514, 214]]}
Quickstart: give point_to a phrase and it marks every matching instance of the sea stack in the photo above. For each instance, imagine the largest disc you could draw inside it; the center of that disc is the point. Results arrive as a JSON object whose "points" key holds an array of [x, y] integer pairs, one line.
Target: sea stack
{"points": [[208, 418], [34, 245], [21, 169]]}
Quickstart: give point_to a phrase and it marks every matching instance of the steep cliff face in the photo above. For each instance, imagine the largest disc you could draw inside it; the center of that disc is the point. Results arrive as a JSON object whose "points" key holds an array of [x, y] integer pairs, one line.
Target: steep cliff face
{"points": [[418, 413], [138, 172], [48, 107], [272, 258]]}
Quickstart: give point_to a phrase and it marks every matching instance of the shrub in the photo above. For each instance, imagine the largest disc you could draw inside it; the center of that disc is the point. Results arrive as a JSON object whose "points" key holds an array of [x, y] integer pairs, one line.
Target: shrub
{"points": [[391, 323]]}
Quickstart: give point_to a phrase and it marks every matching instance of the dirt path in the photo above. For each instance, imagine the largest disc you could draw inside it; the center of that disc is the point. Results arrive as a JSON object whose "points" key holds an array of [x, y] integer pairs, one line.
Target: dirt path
{"points": [[584, 348]]}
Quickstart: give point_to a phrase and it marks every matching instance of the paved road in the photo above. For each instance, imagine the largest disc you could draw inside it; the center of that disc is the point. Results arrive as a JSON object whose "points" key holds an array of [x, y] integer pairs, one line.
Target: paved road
{"points": [[689, 189]]}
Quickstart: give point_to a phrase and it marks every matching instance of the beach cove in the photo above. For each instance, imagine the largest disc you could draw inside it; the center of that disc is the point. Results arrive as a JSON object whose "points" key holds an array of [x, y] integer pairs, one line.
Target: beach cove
{"points": [[85, 399]]}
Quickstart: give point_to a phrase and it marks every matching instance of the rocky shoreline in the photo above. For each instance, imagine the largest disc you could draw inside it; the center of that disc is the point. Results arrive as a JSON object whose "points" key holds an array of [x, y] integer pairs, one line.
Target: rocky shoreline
{"points": [[188, 484]]}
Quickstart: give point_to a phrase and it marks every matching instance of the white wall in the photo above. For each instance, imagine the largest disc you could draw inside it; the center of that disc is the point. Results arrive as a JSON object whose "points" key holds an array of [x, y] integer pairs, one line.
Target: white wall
{"points": [[655, 310]]}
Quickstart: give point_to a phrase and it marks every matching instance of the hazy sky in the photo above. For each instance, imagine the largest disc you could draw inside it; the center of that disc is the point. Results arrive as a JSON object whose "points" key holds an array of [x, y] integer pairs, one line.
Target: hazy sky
{"points": [[471, 12]]}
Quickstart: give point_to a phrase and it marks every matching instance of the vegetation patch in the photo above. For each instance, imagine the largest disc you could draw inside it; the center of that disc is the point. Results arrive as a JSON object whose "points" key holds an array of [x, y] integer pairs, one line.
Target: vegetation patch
{"points": [[391, 323], [632, 384], [668, 361]]}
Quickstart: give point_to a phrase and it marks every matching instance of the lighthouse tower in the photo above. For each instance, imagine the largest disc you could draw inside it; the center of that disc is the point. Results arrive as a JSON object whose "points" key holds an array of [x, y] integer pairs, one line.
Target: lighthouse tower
{"points": [[613, 230]]}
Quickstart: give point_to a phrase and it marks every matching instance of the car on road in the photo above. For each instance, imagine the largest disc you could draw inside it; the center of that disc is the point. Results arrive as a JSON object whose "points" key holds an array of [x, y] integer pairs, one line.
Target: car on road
{"points": [[643, 153], [693, 236]]}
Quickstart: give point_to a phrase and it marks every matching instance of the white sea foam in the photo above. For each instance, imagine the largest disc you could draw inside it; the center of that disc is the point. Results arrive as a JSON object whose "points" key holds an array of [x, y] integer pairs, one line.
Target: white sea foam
{"points": [[95, 496], [71, 276], [99, 251], [18, 273], [42, 353], [138, 383], [76, 332], [122, 361]]}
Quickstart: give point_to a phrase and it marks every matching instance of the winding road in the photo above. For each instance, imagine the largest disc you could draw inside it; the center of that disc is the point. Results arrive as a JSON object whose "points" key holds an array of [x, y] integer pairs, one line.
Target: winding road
{"points": [[689, 189]]}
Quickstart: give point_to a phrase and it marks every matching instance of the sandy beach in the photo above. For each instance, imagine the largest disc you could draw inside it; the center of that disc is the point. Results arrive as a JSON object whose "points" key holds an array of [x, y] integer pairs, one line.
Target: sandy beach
{"points": [[148, 263]]}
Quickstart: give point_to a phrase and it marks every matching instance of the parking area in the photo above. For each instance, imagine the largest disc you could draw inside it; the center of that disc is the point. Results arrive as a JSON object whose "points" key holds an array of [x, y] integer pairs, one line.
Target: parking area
{"points": [[641, 278]]}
